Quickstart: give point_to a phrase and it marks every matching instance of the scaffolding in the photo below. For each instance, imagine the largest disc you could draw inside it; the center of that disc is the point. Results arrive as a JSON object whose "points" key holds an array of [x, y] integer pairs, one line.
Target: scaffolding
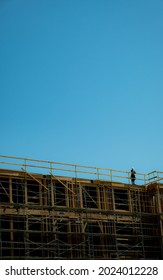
{"points": [[51, 210]]}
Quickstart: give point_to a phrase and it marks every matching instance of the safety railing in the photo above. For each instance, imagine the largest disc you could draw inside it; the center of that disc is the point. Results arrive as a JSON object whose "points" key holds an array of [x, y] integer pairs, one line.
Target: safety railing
{"points": [[76, 171]]}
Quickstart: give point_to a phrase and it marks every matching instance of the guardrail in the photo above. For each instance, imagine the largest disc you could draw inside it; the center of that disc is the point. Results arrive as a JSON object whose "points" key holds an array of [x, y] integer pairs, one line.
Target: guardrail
{"points": [[76, 171]]}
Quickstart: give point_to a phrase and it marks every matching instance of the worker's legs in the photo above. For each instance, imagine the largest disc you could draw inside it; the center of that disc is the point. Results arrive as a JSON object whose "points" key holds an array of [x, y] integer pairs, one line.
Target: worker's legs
{"points": [[133, 181]]}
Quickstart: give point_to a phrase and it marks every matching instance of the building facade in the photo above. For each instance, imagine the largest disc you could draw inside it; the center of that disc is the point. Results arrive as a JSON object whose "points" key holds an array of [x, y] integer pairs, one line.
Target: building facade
{"points": [[52, 210]]}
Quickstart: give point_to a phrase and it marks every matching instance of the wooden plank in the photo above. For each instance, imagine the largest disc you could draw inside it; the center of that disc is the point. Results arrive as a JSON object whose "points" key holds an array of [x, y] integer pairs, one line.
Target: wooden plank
{"points": [[62, 183], [10, 190], [30, 175]]}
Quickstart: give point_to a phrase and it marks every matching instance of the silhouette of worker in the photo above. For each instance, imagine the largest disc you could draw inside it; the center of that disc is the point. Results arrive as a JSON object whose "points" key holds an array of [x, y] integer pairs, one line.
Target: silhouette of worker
{"points": [[133, 177]]}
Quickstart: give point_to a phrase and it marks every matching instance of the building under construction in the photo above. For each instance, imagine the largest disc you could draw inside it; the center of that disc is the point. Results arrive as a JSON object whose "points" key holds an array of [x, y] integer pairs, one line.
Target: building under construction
{"points": [[51, 210]]}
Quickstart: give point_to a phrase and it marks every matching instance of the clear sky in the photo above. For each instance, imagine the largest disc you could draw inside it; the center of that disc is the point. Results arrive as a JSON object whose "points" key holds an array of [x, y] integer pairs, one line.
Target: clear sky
{"points": [[81, 81]]}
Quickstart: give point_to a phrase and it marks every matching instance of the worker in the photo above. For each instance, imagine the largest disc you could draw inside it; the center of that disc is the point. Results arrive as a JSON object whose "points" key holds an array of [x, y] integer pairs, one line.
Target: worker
{"points": [[133, 177]]}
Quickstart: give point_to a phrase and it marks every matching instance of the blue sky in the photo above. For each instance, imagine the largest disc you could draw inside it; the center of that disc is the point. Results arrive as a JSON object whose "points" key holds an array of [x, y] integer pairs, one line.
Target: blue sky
{"points": [[81, 81]]}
